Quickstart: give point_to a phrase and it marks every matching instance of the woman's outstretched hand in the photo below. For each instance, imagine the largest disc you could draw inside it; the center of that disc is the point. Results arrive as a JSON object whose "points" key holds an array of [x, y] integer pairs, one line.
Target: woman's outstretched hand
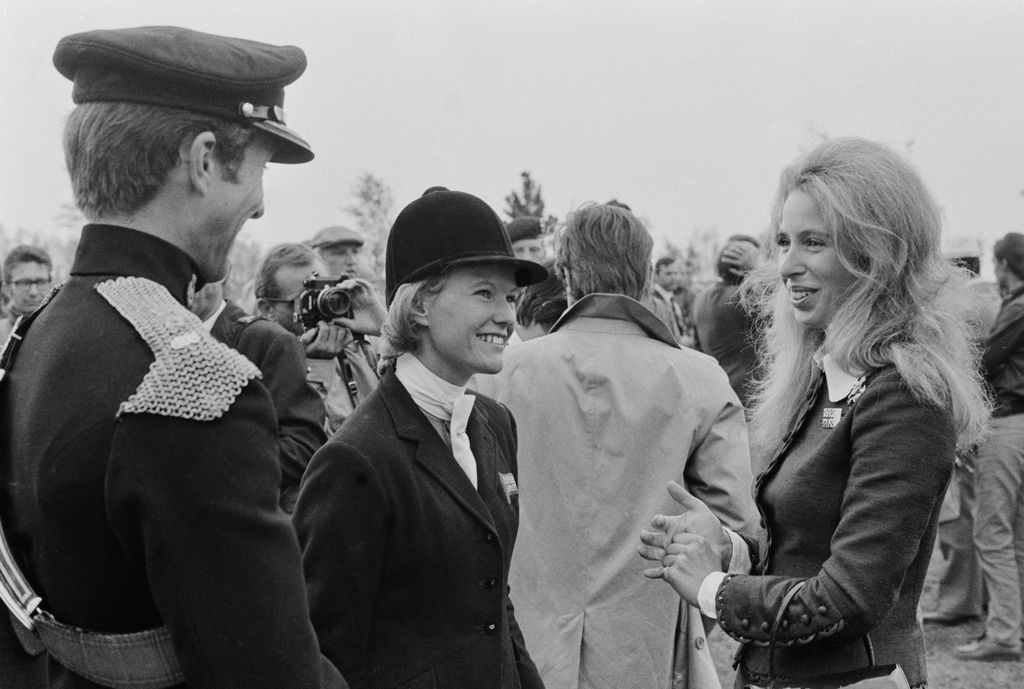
{"points": [[688, 546]]}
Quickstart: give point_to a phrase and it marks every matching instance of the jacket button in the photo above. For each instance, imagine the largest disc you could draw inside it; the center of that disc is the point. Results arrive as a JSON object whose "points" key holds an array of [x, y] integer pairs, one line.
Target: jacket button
{"points": [[744, 623], [491, 582], [822, 610], [492, 628], [699, 643], [765, 626], [805, 618], [785, 624], [489, 537]]}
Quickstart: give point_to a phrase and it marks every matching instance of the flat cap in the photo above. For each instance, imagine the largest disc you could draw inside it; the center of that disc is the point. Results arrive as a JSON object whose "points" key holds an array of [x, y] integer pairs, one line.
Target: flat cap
{"points": [[443, 229], [231, 78], [526, 227], [335, 234]]}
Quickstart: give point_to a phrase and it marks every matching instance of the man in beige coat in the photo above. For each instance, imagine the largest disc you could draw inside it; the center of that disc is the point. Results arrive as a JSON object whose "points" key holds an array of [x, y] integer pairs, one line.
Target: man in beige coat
{"points": [[609, 410]]}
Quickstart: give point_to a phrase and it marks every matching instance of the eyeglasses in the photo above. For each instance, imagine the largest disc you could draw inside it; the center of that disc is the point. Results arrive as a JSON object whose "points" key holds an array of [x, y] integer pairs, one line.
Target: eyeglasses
{"points": [[25, 285], [281, 300]]}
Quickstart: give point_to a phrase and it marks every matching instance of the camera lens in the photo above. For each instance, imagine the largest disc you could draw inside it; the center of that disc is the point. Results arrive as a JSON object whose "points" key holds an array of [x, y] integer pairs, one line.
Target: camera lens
{"points": [[334, 302]]}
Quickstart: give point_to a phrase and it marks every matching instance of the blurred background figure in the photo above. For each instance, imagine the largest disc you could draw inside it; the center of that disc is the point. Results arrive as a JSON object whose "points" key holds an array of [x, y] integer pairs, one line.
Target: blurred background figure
{"points": [[282, 361], [965, 253], [339, 248], [342, 363], [28, 276], [722, 326], [540, 305], [526, 236], [999, 467], [960, 596], [667, 278]]}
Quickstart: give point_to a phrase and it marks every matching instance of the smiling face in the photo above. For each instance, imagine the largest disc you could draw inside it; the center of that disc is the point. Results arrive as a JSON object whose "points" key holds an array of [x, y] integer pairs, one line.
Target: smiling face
{"points": [[808, 263], [233, 201], [467, 325]]}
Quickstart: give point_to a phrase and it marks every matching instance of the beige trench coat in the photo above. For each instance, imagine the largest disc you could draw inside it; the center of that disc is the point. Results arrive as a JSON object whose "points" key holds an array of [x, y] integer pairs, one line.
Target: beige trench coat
{"points": [[609, 409]]}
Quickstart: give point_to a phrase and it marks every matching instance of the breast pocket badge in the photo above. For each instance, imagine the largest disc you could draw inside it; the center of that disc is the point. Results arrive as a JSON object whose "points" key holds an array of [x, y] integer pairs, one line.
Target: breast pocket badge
{"points": [[831, 416], [508, 482]]}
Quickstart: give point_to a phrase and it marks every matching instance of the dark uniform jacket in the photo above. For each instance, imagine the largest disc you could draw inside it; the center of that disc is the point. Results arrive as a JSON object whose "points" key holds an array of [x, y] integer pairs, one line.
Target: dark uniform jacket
{"points": [[853, 510], [406, 563], [282, 361], [1003, 356], [128, 520]]}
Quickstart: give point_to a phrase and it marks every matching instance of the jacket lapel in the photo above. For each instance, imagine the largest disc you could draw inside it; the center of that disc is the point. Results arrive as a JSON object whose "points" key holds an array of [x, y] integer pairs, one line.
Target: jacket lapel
{"points": [[431, 453], [806, 406], [787, 440], [482, 441]]}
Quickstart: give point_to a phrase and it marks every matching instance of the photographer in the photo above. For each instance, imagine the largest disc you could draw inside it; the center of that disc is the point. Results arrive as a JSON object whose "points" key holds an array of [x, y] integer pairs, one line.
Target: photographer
{"points": [[341, 363], [282, 361]]}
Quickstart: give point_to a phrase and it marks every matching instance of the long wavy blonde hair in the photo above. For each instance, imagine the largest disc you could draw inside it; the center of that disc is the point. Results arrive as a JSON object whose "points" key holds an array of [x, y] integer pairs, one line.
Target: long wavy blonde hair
{"points": [[907, 307]]}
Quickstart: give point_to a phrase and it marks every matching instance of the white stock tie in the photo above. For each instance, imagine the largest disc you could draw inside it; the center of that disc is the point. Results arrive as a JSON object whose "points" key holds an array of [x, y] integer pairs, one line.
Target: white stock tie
{"points": [[460, 441]]}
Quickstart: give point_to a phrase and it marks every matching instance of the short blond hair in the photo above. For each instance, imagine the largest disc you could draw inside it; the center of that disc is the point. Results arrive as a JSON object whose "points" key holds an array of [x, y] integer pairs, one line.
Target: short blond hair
{"points": [[401, 334]]}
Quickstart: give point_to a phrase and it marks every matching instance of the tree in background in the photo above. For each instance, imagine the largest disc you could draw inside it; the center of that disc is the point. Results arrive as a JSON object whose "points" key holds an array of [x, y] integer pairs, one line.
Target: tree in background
{"points": [[372, 212], [529, 204]]}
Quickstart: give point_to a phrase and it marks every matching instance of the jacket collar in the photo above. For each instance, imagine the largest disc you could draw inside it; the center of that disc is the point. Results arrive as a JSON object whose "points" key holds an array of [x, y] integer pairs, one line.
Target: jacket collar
{"points": [[109, 250], [659, 291], [618, 307], [435, 457], [840, 382], [1014, 294]]}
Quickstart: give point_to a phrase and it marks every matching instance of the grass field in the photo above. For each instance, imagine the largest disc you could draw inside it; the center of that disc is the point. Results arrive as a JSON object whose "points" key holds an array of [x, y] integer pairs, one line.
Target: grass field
{"points": [[944, 670]]}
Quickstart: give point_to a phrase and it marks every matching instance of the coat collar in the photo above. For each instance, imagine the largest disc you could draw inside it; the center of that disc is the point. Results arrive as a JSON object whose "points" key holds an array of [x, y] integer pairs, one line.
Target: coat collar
{"points": [[111, 250], [659, 291], [618, 307], [1014, 295], [840, 382], [435, 457]]}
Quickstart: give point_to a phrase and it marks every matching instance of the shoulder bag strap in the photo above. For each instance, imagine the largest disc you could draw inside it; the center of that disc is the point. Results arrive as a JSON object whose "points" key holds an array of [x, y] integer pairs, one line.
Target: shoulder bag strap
{"points": [[790, 595]]}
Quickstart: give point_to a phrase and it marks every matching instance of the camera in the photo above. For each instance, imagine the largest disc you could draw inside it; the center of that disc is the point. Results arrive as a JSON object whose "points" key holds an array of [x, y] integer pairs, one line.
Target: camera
{"points": [[323, 300]]}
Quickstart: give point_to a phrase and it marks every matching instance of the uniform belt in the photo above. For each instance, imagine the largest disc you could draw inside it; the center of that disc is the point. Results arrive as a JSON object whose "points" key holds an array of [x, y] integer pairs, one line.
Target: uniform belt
{"points": [[140, 660]]}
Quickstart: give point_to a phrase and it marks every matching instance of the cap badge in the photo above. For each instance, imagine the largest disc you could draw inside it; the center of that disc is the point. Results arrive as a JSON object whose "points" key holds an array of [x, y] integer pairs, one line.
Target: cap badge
{"points": [[275, 113]]}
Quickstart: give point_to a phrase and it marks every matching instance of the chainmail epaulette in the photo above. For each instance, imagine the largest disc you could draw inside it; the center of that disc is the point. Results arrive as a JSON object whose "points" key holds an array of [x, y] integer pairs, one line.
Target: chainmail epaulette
{"points": [[192, 376]]}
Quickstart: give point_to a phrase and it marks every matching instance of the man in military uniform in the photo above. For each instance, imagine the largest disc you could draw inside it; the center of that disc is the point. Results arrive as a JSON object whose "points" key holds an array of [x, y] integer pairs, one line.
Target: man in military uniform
{"points": [[282, 363], [140, 472]]}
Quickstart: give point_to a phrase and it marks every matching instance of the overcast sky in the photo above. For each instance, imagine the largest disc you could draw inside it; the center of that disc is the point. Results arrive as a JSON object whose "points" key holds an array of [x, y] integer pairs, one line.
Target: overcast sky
{"points": [[684, 109]]}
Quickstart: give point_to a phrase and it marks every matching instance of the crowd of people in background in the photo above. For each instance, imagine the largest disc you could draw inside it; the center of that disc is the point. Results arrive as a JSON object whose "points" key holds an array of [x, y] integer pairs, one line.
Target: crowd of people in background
{"points": [[450, 474]]}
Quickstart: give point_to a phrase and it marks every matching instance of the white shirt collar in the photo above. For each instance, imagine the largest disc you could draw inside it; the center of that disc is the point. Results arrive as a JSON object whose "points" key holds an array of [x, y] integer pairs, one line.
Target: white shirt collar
{"points": [[208, 323], [431, 393], [665, 294], [840, 381]]}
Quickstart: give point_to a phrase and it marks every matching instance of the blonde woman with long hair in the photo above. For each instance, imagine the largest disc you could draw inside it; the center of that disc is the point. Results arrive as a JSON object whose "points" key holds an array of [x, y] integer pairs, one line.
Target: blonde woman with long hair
{"points": [[870, 387]]}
